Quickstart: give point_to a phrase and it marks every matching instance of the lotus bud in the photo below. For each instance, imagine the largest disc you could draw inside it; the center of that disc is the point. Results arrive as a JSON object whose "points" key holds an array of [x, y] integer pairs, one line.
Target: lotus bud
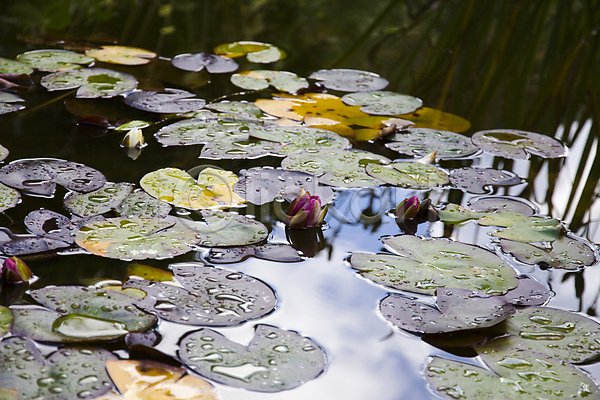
{"points": [[412, 212], [134, 139], [15, 270], [305, 211]]}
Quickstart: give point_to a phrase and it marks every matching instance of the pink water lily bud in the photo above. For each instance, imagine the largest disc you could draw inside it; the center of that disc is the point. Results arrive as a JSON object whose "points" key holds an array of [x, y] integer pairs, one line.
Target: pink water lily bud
{"points": [[15, 270], [305, 211], [412, 212]]}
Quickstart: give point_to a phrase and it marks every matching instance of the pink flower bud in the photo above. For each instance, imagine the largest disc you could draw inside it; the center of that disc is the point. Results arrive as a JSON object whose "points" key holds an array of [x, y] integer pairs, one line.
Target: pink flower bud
{"points": [[305, 211], [15, 270]]}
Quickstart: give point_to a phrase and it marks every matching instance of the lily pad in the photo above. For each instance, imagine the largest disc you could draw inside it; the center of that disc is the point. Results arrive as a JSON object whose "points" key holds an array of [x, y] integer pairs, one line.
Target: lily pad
{"points": [[477, 180], [6, 320], [213, 189], [98, 201], [336, 167], [349, 80], [196, 62], [271, 252], [51, 225], [504, 203], [566, 252], [198, 131], [8, 66], [261, 185], [457, 310], [518, 144], [68, 373], [530, 292], [275, 360], [167, 101], [409, 174], [54, 60], [456, 214], [422, 265], [261, 79], [141, 204], [297, 139], [223, 229], [232, 147], [238, 108], [31, 244], [256, 52], [426, 117], [523, 229], [10, 102], [123, 55], [209, 297], [418, 142], [92, 82], [383, 102], [9, 197], [135, 238]]}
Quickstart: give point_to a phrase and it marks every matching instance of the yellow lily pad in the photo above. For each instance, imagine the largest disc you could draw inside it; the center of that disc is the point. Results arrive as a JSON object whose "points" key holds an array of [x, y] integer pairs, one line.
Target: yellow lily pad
{"points": [[123, 55], [435, 119], [255, 51]]}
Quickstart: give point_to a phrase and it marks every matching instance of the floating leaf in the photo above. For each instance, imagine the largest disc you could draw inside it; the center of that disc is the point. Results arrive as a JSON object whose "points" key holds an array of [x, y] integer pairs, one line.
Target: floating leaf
{"points": [[98, 201], [418, 142], [8, 66], [222, 229], [210, 296], [261, 79], [476, 180], [54, 60], [256, 52], [261, 185], [196, 62], [349, 80], [167, 101], [297, 139], [522, 229], [272, 252], [123, 55], [10, 102], [238, 108], [518, 144], [135, 238], [213, 189], [566, 252], [409, 174], [149, 273], [92, 82], [9, 197], [383, 102], [504, 203], [30, 244], [530, 292], [231, 147], [422, 265], [275, 359], [141, 204], [336, 167], [6, 320], [197, 131], [51, 225], [457, 310], [435, 119], [456, 214]]}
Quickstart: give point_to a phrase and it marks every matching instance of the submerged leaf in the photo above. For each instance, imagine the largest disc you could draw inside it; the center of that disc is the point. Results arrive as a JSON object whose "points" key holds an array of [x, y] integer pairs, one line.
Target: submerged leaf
{"points": [[349, 80], [123, 55], [92, 82], [518, 144], [54, 60]]}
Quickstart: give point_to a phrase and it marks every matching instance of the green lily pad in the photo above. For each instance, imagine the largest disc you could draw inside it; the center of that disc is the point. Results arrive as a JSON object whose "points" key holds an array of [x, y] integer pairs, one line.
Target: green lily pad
{"points": [[566, 252], [123, 55], [349, 80], [456, 214], [297, 139], [166, 102], [6, 320], [199, 131], [409, 174], [272, 252], [559, 333], [457, 310], [98, 201], [337, 167], [522, 229], [213, 63], [477, 180], [223, 229], [9, 197], [275, 360], [210, 296], [136, 238], [238, 108], [231, 147], [68, 373], [418, 142], [51, 225], [8, 66], [141, 204], [383, 102], [54, 60], [92, 82], [504, 203], [518, 144], [10, 102], [256, 52], [422, 265], [261, 79]]}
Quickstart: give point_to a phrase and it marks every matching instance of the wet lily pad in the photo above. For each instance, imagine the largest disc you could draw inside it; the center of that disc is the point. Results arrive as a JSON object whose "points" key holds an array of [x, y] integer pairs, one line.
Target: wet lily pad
{"points": [[418, 142], [336, 167], [8, 66], [3, 153], [422, 265], [68, 373], [141, 204], [167, 101], [297, 139], [232, 147], [530, 292], [10, 102], [566, 252], [256, 52], [504, 203], [521, 228], [272, 252], [123, 55], [275, 359], [239, 108], [50, 224], [209, 297], [148, 273], [196, 62], [261, 185], [9, 197], [54, 60], [409, 174], [518, 144], [198, 131], [261, 79], [213, 189], [457, 310], [92, 82], [135, 238], [426, 117], [223, 229], [478, 180], [98, 201], [383, 102], [349, 80], [6, 320], [31, 244]]}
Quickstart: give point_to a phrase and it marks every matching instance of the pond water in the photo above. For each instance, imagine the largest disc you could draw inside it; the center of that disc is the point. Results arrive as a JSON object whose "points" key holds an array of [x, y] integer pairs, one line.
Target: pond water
{"points": [[464, 58]]}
